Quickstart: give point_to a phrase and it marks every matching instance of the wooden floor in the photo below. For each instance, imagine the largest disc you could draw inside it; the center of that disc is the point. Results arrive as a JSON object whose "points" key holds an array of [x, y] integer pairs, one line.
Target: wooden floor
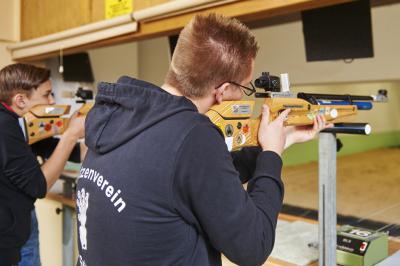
{"points": [[368, 185]]}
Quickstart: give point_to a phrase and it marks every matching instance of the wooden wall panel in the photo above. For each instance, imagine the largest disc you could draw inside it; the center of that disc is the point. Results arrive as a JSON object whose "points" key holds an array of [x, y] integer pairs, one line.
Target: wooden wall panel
{"points": [[98, 7], [9, 20], [141, 4], [43, 17]]}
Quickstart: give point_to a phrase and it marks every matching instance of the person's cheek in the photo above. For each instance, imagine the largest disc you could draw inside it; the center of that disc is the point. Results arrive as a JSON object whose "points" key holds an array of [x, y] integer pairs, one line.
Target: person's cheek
{"points": [[44, 100], [239, 95]]}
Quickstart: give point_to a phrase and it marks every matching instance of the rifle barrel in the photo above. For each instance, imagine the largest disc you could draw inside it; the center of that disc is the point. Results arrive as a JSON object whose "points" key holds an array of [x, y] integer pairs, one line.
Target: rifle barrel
{"points": [[344, 97], [350, 128], [360, 105]]}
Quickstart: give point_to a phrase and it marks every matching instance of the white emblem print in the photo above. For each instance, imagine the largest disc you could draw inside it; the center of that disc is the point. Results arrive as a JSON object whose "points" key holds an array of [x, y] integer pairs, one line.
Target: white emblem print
{"points": [[81, 261], [83, 204]]}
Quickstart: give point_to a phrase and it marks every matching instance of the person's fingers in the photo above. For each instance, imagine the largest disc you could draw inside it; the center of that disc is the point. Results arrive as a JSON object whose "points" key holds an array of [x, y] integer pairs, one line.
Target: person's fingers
{"points": [[323, 121], [320, 122], [316, 124], [326, 123], [283, 116], [265, 114], [74, 115], [329, 125]]}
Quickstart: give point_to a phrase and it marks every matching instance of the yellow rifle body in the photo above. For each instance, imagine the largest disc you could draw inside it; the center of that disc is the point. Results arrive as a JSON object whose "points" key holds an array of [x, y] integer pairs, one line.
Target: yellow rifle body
{"points": [[234, 117], [44, 121]]}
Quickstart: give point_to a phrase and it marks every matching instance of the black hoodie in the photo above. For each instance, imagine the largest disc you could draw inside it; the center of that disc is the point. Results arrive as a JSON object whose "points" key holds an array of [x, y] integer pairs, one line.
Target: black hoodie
{"points": [[21, 183], [159, 187]]}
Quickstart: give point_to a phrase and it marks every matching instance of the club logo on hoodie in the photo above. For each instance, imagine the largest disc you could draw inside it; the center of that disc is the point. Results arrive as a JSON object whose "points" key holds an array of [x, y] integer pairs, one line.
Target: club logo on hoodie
{"points": [[81, 261], [83, 204]]}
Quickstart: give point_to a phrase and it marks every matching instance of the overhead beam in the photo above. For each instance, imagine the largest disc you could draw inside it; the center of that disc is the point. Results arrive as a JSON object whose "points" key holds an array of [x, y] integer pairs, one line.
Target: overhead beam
{"points": [[246, 11]]}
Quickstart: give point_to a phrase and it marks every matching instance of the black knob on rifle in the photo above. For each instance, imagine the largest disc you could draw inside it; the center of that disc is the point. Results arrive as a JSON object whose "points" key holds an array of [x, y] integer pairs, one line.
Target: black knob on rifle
{"points": [[382, 92], [84, 94], [268, 82]]}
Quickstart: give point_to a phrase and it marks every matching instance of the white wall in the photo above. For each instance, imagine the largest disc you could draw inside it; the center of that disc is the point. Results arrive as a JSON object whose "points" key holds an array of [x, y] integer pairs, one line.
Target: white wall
{"points": [[154, 60], [282, 51], [147, 60], [109, 63]]}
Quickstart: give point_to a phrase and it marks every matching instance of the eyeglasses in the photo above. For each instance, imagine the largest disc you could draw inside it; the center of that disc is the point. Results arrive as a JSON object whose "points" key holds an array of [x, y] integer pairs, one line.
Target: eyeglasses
{"points": [[247, 90]]}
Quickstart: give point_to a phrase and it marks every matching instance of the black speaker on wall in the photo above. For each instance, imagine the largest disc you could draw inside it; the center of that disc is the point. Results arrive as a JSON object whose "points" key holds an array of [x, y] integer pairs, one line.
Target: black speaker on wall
{"points": [[77, 67], [338, 32]]}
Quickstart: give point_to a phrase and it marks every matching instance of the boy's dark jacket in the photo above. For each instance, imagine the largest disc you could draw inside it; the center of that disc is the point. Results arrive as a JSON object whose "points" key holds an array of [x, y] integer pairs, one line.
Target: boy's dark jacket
{"points": [[21, 182], [159, 187]]}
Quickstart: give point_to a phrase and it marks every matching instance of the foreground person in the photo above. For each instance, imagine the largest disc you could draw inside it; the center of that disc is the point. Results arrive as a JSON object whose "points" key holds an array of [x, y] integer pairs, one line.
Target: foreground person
{"points": [[158, 185]]}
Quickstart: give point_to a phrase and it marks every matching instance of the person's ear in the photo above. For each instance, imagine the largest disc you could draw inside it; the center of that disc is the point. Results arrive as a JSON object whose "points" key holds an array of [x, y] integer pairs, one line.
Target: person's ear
{"points": [[219, 92], [20, 101]]}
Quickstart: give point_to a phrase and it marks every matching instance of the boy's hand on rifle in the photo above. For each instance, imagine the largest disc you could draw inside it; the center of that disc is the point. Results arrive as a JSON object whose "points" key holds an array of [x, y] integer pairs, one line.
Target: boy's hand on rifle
{"points": [[298, 134], [272, 135], [76, 126]]}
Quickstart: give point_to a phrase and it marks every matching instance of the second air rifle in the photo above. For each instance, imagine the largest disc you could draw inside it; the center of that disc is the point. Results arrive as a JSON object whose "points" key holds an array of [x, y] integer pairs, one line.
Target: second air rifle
{"points": [[45, 121]]}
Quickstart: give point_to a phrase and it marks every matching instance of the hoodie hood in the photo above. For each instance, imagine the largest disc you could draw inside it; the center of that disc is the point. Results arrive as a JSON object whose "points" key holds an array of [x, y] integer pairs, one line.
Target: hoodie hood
{"points": [[127, 108]]}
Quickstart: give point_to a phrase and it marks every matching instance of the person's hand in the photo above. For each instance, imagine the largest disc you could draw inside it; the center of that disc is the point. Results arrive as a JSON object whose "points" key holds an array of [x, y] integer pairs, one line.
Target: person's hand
{"points": [[271, 135], [298, 134], [76, 126]]}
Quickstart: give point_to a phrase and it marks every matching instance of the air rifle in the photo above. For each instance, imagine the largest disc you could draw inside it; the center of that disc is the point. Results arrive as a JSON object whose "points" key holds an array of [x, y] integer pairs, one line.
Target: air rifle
{"points": [[44, 121], [240, 130]]}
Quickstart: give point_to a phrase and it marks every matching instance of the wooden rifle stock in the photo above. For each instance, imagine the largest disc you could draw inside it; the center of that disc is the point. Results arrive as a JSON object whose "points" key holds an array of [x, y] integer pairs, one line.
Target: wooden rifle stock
{"points": [[44, 121], [240, 130]]}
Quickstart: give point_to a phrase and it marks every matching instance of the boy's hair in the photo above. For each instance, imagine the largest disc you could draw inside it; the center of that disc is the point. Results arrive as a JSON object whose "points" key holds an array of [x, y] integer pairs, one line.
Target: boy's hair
{"points": [[20, 78], [211, 50]]}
